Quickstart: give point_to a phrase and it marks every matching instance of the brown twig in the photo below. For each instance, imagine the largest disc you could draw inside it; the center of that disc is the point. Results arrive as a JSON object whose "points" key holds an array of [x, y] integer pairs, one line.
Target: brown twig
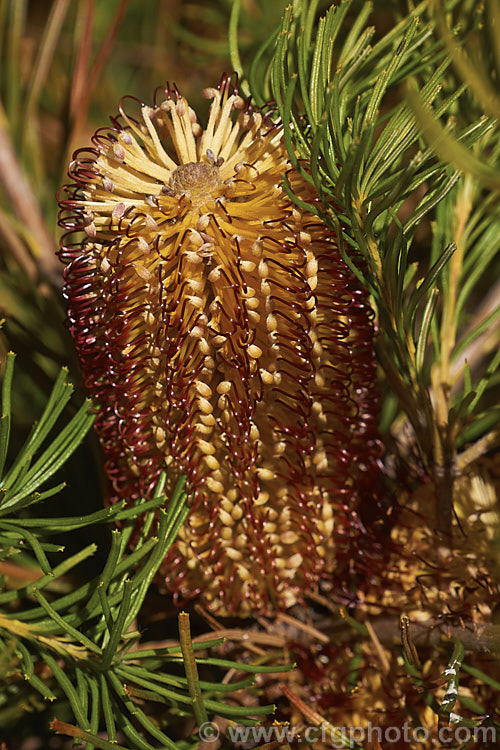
{"points": [[476, 450], [191, 669], [311, 631], [384, 661], [217, 627], [427, 633]]}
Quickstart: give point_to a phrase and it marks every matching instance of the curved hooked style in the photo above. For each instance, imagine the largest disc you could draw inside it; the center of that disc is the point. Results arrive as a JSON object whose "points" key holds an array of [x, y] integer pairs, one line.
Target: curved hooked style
{"points": [[223, 337]]}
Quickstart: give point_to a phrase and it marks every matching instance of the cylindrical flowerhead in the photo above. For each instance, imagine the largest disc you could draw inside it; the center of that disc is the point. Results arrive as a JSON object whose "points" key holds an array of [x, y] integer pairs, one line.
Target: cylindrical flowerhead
{"points": [[222, 337]]}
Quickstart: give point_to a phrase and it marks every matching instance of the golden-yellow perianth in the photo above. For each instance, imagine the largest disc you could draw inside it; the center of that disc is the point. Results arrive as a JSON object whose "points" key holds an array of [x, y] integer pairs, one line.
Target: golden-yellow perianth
{"points": [[223, 337]]}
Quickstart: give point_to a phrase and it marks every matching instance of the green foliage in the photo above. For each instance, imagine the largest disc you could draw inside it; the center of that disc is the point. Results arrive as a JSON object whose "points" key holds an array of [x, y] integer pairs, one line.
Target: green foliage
{"points": [[355, 130], [398, 132], [80, 649], [19, 485]]}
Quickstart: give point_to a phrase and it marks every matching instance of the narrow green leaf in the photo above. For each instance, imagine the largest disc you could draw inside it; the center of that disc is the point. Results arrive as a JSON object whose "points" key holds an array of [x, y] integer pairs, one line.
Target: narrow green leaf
{"points": [[82, 691], [351, 44], [429, 281], [481, 676], [168, 526], [68, 690], [108, 709], [27, 660], [483, 383], [154, 681], [255, 669], [65, 628], [42, 688], [6, 409], [59, 397], [129, 730], [423, 333], [118, 627], [136, 712], [258, 83], [25, 536], [144, 653], [233, 44], [61, 727], [55, 455], [95, 703], [40, 583]]}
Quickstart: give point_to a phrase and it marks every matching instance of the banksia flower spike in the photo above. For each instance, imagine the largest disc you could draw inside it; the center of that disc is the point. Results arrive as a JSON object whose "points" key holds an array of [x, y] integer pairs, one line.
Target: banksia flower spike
{"points": [[222, 337]]}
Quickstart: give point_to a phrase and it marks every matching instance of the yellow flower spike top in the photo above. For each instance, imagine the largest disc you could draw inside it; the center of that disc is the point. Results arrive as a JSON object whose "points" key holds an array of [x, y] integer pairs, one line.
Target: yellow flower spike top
{"points": [[223, 337]]}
